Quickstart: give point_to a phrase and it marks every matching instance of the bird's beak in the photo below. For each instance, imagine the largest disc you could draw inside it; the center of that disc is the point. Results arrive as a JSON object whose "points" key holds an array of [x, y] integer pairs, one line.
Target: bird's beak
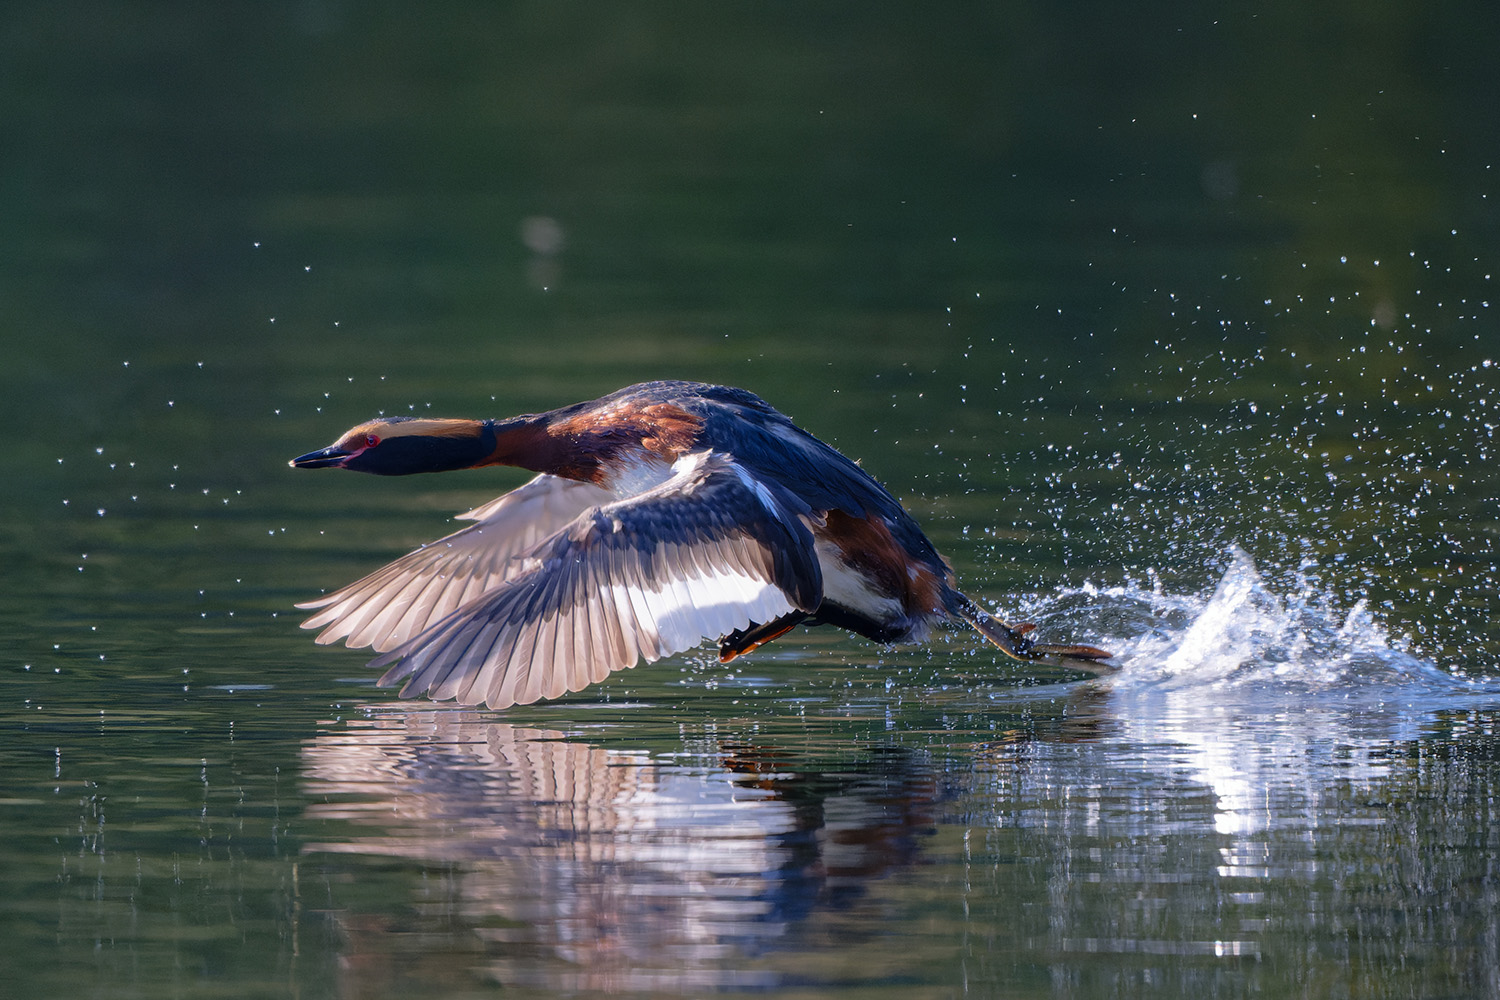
{"points": [[332, 457]]}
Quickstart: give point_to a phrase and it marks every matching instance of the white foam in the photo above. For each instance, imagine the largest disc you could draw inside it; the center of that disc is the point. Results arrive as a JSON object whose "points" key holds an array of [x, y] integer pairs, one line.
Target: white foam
{"points": [[1246, 633], [1259, 694]]}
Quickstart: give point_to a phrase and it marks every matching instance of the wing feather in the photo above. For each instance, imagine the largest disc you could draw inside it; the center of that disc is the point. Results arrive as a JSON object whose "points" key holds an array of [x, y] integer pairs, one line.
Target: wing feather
{"points": [[413, 593], [629, 629], [707, 552], [647, 637], [601, 645]]}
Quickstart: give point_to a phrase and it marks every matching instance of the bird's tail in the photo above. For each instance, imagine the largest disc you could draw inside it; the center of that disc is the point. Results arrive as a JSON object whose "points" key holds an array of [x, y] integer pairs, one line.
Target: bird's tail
{"points": [[1015, 641]]}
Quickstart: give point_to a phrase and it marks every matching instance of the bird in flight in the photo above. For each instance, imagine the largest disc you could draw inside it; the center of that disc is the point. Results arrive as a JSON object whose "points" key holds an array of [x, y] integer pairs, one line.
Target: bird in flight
{"points": [[661, 514]]}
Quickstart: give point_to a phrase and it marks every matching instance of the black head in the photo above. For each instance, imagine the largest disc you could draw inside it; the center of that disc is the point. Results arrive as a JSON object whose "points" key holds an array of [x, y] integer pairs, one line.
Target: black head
{"points": [[400, 446]]}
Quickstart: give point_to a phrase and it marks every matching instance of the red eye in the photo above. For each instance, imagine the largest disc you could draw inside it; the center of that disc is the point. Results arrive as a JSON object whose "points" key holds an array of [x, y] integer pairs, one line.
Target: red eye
{"points": [[371, 440]]}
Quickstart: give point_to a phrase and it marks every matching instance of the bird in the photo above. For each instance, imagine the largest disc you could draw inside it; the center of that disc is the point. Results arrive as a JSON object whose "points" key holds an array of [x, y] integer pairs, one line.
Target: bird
{"points": [[660, 515]]}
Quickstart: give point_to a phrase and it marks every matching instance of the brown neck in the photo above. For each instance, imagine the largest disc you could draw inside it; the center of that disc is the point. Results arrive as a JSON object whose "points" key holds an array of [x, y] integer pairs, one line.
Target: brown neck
{"points": [[531, 442], [582, 441]]}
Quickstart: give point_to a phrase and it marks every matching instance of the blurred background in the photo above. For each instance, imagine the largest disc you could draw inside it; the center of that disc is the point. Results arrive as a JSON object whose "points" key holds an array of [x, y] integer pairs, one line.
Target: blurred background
{"points": [[957, 243], [1119, 300]]}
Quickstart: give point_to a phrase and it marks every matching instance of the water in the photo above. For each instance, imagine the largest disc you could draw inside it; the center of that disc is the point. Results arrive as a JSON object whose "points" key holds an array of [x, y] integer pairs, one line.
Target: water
{"points": [[1175, 332]]}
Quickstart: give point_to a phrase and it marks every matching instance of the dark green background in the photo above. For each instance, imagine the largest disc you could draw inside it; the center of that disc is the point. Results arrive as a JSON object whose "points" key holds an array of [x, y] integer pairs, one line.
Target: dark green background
{"points": [[1099, 290]]}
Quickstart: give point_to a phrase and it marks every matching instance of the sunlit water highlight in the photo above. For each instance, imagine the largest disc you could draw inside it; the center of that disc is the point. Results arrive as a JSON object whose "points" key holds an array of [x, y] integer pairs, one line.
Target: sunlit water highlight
{"points": [[1259, 727], [990, 273], [1259, 696], [1244, 636]]}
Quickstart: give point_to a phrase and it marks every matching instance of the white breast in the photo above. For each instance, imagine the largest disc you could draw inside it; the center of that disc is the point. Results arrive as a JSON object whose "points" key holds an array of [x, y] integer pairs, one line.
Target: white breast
{"points": [[849, 588]]}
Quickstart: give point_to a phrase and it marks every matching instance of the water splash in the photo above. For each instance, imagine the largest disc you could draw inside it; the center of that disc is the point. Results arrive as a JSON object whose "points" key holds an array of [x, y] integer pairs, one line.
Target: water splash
{"points": [[1246, 635], [1273, 697]]}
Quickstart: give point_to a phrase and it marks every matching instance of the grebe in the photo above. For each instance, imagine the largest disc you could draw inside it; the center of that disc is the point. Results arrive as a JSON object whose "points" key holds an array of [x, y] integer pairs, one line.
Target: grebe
{"points": [[662, 514]]}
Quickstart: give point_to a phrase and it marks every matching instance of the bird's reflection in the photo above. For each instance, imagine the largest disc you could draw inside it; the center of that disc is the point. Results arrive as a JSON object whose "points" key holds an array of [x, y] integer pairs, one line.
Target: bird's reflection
{"points": [[610, 860]]}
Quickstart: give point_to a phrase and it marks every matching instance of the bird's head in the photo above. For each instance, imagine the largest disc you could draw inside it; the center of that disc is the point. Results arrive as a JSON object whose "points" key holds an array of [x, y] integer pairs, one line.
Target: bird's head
{"points": [[400, 446]]}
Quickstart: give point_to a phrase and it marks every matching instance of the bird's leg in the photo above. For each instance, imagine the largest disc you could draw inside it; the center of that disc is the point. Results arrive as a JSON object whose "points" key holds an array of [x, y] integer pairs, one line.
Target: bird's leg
{"points": [[1015, 640], [743, 640]]}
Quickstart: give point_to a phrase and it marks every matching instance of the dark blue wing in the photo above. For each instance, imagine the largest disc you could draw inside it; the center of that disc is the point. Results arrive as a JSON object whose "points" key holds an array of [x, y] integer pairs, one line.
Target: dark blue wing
{"points": [[711, 550]]}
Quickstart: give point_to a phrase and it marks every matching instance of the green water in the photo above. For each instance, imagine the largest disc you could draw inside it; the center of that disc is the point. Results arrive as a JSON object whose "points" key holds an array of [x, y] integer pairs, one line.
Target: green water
{"points": [[1173, 327]]}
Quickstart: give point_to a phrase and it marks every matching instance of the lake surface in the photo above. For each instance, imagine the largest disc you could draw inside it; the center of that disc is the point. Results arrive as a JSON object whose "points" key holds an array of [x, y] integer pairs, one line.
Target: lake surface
{"points": [[1173, 329]]}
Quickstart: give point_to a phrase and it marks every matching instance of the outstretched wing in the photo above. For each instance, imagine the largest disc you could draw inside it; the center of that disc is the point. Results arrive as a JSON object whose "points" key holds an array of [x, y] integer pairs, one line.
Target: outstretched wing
{"points": [[707, 552], [406, 597]]}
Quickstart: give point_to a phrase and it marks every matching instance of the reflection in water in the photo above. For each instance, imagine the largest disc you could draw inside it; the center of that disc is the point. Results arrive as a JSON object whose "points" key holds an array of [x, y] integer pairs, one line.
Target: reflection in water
{"points": [[1260, 694], [1347, 849], [1264, 779], [638, 874], [1268, 798]]}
